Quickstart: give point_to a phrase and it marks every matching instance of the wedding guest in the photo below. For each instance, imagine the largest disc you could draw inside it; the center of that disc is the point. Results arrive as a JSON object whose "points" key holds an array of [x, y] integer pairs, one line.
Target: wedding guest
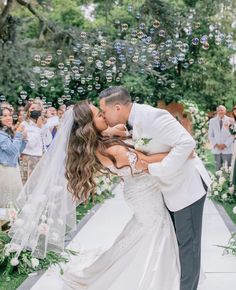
{"points": [[39, 137], [233, 133], [52, 121], [11, 146], [60, 113], [220, 138]]}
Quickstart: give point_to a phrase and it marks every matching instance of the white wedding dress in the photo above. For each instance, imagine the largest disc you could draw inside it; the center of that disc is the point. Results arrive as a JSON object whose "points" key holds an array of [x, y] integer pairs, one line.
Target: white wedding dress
{"points": [[144, 256]]}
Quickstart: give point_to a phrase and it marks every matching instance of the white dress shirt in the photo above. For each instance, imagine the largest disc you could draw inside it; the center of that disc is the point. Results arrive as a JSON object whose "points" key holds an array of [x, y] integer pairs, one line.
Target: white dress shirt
{"points": [[38, 138]]}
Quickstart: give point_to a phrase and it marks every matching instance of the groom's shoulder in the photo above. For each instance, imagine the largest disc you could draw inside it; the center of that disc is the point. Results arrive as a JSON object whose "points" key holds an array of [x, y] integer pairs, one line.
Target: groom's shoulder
{"points": [[151, 109]]}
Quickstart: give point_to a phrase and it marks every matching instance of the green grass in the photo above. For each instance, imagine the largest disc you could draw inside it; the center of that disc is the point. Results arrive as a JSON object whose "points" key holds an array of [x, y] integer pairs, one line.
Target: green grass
{"points": [[210, 165], [229, 209], [14, 283]]}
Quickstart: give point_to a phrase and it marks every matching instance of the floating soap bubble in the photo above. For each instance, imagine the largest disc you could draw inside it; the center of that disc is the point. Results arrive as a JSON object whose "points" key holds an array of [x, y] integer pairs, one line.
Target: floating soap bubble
{"points": [[2, 98], [191, 61], [201, 60], [195, 41], [32, 85], [71, 58], [80, 90], [61, 65], [52, 89], [204, 39], [172, 85], [185, 65], [43, 63], [233, 25], [197, 25], [133, 41], [59, 52], [138, 15], [109, 79], [23, 95], [97, 86], [49, 74], [37, 57], [142, 26], [184, 47], [180, 56], [44, 83], [162, 33], [169, 43], [229, 39], [124, 27], [205, 45], [81, 68], [156, 23], [103, 42], [90, 88], [83, 34]]}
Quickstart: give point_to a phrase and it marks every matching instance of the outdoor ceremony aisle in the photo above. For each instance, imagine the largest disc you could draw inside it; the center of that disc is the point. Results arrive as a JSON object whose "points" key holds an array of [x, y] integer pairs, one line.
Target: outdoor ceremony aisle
{"points": [[104, 226]]}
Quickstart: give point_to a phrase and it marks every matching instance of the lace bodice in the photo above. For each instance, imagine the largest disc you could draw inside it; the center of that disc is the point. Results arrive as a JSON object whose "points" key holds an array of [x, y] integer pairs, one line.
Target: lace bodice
{"points": [[126, 171]]}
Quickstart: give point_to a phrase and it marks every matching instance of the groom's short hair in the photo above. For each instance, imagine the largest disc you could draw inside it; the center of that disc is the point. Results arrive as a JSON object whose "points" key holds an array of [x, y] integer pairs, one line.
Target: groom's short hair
{"points": [[115, 95]]}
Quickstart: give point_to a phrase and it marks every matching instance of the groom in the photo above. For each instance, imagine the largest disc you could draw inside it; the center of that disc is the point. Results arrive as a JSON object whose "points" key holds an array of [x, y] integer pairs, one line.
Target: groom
{"points": [[184, 181]]}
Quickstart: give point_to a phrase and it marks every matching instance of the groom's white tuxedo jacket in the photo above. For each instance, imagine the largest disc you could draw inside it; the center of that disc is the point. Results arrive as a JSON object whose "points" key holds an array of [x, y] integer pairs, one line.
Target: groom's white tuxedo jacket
{"points": [[179, 177]]}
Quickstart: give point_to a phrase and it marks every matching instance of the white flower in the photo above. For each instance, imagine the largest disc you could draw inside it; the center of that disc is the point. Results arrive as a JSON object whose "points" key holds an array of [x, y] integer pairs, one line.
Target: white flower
{"points": [[12, 213], [43, 229], [34, 262], [99, 191], [222, 180], [234, 210], [216, 192], [219, 172], [224, 196], [14, 262], [231, 189]]}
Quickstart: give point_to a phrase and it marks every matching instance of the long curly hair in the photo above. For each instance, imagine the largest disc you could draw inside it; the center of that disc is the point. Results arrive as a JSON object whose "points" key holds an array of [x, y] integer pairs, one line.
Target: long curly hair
{"points": [[82, 163]]}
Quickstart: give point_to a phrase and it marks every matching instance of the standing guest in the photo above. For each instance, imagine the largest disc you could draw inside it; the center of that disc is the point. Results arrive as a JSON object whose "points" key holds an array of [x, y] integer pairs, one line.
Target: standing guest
{"points": [[39, 137], [52, 120], [220, 138], [60, 113], [233, 132], [11, 146], [63, 108]]}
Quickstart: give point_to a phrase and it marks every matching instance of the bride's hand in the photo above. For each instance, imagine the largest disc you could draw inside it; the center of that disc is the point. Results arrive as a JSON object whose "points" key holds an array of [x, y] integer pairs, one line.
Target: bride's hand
{"points": [[142, 165]]}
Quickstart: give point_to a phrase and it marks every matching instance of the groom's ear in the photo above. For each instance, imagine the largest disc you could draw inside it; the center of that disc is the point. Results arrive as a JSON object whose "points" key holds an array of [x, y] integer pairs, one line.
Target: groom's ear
{"points": [[118, 107]]}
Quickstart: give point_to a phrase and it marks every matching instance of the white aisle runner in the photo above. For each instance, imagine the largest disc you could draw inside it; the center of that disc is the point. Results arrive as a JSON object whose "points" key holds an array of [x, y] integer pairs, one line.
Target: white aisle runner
{"points": [[103, 228]]}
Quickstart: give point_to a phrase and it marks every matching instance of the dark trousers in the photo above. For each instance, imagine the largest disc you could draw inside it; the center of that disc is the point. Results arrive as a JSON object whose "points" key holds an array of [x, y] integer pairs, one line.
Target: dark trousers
{"points": [[188, 227]]}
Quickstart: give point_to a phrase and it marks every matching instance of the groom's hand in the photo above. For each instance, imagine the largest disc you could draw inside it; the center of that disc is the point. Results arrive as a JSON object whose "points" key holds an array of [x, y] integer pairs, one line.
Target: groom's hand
{"points": [[142, 165]]}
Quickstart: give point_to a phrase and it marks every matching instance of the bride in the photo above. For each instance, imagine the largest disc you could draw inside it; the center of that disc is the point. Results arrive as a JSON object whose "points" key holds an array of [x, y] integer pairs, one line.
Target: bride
{"points": [[145, 255]]}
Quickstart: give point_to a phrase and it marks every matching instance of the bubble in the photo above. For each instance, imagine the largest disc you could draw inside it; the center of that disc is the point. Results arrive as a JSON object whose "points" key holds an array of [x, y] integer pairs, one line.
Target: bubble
{"points": [[191, 61], [162, 33], [97, 79], [163, 67], [37, 57], [80, 90], [184, 47], [143, 58], [109, 79], [205, 45], [142, 26], [137, 99], [124, 27], [83, 34], [49, 74], [195, 41], [90, 88], [201, 60], [103, 42], [151, 30], [61, 65], [52, 89], [117, 79], [81, 68], [59, 52], [185, 65], [162, 45], [135, 58], [133, 41], [233, 25], [197, 25], [168, 43], [168, 52], [90, 59], [97, 86], [71, 58], [43, 63], [66, 90], [156, 23], [204, 39], [211, 27], [229, 39], [23, 95], [172, 85], [44, 83], [180, 56], [140, 34], [75, 69], [130, 8], [138, 15], [32, 85], [2, 98]]}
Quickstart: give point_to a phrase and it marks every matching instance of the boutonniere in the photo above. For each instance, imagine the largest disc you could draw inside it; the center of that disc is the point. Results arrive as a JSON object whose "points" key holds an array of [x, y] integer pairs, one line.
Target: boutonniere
{"points": [[141, 142]]}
